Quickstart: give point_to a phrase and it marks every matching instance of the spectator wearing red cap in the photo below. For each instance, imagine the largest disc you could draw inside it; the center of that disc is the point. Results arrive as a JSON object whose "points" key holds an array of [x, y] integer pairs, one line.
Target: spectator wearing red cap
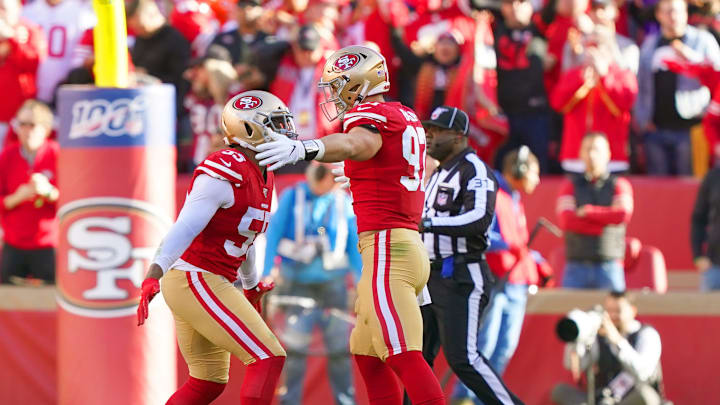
{"points": [[28, 195], [196, 22], [296, 83], [21, 48], [596, 96], [84, 60]]}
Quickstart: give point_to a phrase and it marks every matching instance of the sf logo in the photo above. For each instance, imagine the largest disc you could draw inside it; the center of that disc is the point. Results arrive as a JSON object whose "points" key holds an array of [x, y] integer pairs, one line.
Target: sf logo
{"points": [[347, 61], [247, 103]]}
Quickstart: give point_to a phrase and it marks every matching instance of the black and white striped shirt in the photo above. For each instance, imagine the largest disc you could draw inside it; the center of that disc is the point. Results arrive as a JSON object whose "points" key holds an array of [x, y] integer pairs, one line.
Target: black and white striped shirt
{"points": [[460, 201]]}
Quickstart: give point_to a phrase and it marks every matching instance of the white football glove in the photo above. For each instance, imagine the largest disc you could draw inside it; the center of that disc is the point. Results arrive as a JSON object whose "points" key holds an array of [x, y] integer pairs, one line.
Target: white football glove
{"points": [[279, 152], [340, 177]]}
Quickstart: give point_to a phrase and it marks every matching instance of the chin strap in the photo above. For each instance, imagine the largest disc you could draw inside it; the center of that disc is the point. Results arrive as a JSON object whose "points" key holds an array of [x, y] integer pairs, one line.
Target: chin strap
{"points": [[241, 143]]}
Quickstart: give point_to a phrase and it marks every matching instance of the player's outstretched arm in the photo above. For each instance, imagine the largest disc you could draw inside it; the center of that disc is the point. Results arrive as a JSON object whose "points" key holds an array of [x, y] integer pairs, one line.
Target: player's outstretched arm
{"points": [[358, 144], [206, 196]]}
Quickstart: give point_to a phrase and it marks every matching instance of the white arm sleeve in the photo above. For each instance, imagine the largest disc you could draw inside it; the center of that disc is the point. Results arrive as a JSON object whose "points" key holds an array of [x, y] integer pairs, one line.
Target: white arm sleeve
{"points": [[207, 195], [642, 360], [248, 274]]}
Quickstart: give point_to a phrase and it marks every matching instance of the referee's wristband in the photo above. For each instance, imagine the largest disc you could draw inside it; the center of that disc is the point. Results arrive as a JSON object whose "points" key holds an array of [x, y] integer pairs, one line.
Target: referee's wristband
{"points": [[314, 149]]}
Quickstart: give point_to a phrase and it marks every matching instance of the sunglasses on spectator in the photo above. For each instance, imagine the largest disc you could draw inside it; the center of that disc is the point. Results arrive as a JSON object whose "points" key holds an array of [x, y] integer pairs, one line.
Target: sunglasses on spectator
{"points": [[27, 124]]}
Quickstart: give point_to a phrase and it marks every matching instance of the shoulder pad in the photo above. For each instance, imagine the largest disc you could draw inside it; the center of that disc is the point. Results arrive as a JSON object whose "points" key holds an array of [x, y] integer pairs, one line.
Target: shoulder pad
{"points": [[374, 114], [226, 164]]}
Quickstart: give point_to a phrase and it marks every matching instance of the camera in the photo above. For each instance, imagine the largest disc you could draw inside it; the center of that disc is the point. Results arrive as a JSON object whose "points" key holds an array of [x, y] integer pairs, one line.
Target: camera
{"points": [[580, 326]]}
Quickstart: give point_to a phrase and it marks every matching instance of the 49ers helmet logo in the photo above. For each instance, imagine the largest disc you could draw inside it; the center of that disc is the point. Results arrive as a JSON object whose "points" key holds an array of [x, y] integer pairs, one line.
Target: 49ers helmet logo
{"points": [[247, 103], [346, 62]]}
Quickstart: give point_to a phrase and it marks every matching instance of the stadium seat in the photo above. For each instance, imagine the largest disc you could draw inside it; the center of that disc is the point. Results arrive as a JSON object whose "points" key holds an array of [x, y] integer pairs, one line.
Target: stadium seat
{"points": [[649, 271]]}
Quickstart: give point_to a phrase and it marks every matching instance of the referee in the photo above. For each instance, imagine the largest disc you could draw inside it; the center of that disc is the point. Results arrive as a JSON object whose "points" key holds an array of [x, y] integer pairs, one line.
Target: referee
{"points": [[459, 207]]}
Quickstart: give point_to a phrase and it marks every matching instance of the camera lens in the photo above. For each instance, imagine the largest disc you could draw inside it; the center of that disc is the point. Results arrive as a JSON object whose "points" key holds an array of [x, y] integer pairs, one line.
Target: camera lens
{"points": [[567, 330]]}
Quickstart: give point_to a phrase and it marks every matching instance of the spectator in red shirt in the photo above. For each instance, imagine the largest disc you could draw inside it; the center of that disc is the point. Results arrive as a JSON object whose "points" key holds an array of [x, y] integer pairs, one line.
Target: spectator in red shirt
{"points": [[597, 95], [570, 14], [22, 45], [594, 209], [28, 192]]}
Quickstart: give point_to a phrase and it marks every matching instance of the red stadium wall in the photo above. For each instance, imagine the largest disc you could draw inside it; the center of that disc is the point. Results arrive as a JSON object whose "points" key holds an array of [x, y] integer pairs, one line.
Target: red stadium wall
{"points": [[688, 323]]}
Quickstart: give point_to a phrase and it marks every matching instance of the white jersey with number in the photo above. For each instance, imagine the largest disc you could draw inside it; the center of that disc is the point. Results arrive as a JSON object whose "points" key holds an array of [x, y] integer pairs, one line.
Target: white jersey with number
{"points": [[63, 26]]}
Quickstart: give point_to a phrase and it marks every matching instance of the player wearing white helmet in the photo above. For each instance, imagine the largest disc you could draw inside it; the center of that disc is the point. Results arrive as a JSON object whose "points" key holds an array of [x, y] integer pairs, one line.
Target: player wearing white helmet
{"points": [[383, 148], [210, 246]]}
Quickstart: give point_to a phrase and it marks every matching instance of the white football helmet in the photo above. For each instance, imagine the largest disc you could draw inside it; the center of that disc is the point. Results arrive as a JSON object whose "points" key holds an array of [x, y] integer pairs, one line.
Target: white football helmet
{"points": [[247, 116]]}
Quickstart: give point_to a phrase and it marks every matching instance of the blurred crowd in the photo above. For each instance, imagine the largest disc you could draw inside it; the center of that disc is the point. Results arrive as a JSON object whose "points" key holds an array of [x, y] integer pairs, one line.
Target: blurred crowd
{"points": [[542, 74]]}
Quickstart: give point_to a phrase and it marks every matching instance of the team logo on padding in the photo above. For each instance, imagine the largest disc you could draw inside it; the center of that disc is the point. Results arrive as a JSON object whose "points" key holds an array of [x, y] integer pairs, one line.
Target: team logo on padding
{"points": [[345, 62], [247, 103], [105, 248]]}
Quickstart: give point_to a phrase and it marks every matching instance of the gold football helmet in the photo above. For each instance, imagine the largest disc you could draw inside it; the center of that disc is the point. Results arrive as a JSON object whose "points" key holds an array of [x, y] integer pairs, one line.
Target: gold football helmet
{"points": [[247, 116], [350, 75]]}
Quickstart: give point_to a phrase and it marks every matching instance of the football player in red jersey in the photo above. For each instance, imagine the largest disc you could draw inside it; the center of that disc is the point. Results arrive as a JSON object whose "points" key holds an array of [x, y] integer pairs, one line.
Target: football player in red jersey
{"points": [[227, 205], [383, 147]]}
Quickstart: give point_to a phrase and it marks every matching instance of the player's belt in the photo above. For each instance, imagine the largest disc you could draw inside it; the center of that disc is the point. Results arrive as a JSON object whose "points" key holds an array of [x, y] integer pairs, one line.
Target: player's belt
{"points": [[436, 265]]}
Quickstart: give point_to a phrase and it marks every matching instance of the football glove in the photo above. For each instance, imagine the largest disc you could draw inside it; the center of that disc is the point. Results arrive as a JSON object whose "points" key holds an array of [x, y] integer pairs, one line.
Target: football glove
{"points": [[150, 288], [283, 151], [340, 177], [255, 294]]}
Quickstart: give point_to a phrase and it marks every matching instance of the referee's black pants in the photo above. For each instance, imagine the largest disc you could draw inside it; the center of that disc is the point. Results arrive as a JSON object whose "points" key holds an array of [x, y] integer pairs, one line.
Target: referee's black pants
{"points": [[452, 321]]}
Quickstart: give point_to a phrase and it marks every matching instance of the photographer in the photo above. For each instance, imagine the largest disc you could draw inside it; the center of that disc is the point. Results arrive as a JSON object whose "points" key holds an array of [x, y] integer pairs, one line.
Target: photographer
{"points": [[624, 354]]}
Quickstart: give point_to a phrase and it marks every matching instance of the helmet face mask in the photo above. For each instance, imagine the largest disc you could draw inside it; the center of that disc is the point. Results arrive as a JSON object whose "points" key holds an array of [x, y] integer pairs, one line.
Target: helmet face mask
{"points": [[334, 106], [279, 121]]}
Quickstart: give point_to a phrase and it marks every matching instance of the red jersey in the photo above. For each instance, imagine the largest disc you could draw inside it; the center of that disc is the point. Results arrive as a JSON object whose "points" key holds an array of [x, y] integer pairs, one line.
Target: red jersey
{"points": [[18, 68], [388, 189], [222, 246], [32, 224], [204, 122]]}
